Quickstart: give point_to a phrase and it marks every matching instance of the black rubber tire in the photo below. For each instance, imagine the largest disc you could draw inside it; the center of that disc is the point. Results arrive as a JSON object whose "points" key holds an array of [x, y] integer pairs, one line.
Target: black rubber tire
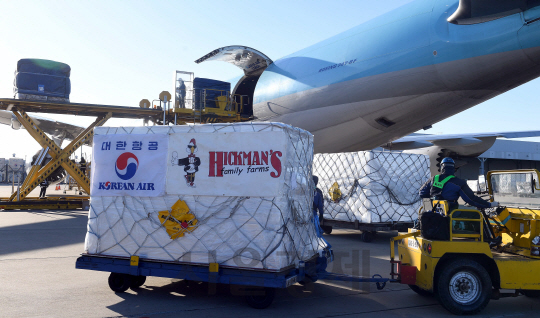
{"points": [[531, 293], [327, 229], [474, 283], [367, 237], [119, 283], [137, 281], [420, 291], [258, 301]]}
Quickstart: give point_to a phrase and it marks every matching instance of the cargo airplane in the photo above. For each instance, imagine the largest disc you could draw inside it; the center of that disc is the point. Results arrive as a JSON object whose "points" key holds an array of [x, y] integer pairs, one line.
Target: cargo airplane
{"points": [[396, 74]]}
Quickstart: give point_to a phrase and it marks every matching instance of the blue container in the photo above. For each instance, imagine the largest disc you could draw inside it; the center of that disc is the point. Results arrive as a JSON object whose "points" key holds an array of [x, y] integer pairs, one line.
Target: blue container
{"points": [[42, 78], [214, 88]]}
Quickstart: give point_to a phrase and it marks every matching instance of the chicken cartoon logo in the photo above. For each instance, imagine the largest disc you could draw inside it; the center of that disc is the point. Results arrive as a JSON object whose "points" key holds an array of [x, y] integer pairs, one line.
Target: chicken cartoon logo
{"points": [[191, 163]]}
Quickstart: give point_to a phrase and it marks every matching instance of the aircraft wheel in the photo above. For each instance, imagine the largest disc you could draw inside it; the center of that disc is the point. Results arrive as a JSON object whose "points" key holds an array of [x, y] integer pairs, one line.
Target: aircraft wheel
{"points": [[464, 287], [119, 282]]}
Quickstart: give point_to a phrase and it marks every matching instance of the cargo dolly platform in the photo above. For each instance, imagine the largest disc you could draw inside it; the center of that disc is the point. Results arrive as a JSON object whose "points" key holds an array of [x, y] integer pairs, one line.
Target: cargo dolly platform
{"points": [[259, 285]]}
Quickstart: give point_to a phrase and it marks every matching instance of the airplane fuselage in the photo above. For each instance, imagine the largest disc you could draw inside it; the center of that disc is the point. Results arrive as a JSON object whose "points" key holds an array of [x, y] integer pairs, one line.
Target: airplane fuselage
{"points": [[398, 73]]}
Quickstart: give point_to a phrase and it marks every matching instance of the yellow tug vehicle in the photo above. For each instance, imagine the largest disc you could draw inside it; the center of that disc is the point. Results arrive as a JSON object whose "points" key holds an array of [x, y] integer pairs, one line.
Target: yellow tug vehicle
{"points": [[485, 251]]}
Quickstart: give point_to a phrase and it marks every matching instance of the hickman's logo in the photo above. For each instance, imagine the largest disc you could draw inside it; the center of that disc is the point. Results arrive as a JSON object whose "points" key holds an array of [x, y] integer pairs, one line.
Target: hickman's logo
{"points": [[254, 161]]}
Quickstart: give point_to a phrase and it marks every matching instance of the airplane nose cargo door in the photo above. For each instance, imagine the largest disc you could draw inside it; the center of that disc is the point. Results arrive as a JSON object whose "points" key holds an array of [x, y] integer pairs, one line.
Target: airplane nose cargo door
{"points": [[251, 61]]}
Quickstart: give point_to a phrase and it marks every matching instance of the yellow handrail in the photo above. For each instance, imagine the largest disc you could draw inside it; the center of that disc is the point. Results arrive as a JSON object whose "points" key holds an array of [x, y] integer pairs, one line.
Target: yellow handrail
{"points": [[480, 220]]}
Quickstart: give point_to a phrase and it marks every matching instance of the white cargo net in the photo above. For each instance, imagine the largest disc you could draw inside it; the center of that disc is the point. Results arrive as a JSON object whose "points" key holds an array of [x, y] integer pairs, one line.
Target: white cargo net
{"points": [[374, 186], [269, 233]]}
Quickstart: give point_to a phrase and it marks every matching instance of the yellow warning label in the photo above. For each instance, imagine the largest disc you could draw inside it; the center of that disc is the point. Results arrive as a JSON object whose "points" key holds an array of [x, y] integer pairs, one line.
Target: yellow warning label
{"points": [[179, 220], [134, 260], [334, 192], [213, 268]]}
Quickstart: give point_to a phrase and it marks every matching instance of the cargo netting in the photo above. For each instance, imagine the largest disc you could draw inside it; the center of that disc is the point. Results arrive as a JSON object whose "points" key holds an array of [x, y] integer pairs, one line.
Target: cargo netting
{"points": [[268, 233], [371, 186]]}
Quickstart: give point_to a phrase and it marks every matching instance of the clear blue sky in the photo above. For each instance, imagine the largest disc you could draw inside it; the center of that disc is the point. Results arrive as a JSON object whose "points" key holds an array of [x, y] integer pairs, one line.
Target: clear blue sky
{"points": [[123, 51]]}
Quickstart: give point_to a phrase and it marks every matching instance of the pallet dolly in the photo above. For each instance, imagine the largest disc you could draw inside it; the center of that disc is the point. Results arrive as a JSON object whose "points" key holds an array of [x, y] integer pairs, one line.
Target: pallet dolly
{"points": [[259, 286]]}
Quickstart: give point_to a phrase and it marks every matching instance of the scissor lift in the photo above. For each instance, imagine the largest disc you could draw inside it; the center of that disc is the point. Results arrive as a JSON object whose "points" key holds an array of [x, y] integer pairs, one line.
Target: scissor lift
{"points": [[60, 157], [227, 109]]}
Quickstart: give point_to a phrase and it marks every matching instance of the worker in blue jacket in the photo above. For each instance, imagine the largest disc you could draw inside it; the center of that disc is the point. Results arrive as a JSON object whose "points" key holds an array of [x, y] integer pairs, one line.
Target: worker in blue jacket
{"points": [[318, 202], [446, 186], [318, 210]]}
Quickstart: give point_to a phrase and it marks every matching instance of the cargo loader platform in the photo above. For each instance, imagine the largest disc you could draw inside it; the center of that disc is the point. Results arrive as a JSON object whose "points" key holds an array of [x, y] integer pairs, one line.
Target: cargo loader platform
{"points": [[49, 203], [225, 110]]}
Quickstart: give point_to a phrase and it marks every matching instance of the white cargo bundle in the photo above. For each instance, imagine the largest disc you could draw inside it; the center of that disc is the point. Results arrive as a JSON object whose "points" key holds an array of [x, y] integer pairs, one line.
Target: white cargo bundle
{"points": [[3, 169], [235, 194], [15, 170], [373, 186]]}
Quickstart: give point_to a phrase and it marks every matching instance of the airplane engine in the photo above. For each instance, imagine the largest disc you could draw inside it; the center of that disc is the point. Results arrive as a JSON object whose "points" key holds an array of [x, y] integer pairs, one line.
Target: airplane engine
{"points": [[57, 176]]}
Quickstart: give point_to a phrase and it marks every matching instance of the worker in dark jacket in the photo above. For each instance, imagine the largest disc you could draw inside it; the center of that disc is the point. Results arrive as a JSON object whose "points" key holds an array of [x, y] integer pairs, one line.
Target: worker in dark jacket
{"points": [[83, 166], [318, 211], [448, 187], [318, 202], [44, 185]]}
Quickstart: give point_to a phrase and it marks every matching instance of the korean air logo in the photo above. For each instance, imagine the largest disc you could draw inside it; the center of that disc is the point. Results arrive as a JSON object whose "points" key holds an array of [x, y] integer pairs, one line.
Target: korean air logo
{"points": [[126, 166]]}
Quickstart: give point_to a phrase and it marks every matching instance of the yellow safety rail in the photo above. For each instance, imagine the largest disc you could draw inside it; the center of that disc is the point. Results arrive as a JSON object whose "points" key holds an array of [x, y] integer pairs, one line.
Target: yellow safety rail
{"points": [[467, 221]]}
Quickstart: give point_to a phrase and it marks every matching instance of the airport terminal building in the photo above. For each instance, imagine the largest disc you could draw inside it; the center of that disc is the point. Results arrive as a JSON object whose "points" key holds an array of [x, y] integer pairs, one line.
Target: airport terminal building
{"points": [[503, 155]]}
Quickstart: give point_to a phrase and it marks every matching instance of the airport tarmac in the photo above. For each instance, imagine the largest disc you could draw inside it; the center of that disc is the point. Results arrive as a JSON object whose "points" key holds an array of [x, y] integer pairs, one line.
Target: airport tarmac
{"points": [[38, 278]]}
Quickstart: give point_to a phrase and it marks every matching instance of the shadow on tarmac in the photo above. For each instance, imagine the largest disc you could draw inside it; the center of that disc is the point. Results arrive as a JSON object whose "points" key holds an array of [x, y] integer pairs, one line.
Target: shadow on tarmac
{"points": [[60, 228], [229, 299]]}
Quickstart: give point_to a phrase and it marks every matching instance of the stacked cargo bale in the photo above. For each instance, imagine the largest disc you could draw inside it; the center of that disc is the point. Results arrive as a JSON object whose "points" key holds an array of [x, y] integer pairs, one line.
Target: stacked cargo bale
{"points": [[43, 80], [3, 170], [198, 221], [371, 186], [15, 170]]}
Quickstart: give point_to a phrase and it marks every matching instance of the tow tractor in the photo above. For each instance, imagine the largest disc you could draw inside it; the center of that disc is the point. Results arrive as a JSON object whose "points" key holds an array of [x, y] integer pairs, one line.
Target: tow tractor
{"points": [[474, 265]]}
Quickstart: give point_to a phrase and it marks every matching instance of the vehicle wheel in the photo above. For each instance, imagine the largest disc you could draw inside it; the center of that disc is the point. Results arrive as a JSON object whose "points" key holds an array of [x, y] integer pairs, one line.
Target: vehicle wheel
{"points": [[464, 287], [327, 229], [137, 281], [260, 298], [367, 237], [420, 291], [119, 282], [531, 293]]}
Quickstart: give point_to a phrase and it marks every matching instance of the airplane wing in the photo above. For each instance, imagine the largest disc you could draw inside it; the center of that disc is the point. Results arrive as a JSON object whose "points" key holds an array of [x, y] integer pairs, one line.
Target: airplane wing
{"points": [[457, 146], [56, 129], [453, 140]]}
